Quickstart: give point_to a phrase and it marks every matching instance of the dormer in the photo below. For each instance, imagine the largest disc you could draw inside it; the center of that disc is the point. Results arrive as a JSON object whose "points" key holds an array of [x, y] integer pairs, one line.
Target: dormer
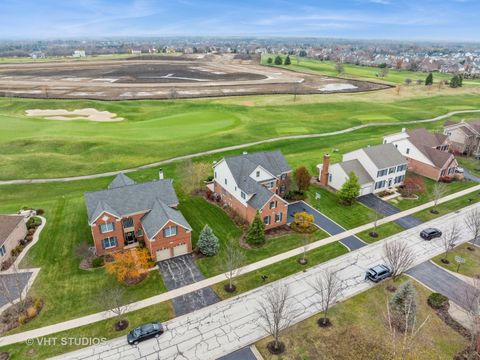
{"points": [[261, 175]]}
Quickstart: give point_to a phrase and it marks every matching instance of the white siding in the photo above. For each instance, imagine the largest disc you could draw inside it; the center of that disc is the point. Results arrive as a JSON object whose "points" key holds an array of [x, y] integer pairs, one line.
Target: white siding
{"points": [[222, 172], [413, 153], [337, 175], [263, 174]]}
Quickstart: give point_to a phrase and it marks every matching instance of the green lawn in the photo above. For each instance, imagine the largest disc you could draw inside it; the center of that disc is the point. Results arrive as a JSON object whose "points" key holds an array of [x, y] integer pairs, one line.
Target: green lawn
{"points": [[281, 269], [347, 216], [383, 231], [471, 267], [359, 332], [470, 164], [449, 206]]}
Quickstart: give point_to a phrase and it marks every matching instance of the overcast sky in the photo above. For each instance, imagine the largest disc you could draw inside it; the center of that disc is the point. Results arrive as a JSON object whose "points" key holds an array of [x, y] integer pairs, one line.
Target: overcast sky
{"points": [[454, 20]]}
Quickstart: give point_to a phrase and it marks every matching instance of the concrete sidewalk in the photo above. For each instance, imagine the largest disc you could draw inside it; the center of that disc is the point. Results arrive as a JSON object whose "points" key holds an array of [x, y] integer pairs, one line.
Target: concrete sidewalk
{"points": [[89, 319]]}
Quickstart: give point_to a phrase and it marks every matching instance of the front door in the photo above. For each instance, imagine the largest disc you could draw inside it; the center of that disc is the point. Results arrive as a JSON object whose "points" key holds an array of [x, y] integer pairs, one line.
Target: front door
{"points": [[130, 238]]}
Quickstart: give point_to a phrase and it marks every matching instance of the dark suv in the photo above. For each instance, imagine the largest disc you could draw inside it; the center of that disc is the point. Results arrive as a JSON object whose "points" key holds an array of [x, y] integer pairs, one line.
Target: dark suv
{"points": [[378, 273], [430, 233], [144, 332]]}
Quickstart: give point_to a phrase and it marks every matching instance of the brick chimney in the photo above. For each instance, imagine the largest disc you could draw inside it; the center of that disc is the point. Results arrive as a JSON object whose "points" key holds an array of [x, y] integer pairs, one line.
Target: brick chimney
{"points": [[324, 173]]}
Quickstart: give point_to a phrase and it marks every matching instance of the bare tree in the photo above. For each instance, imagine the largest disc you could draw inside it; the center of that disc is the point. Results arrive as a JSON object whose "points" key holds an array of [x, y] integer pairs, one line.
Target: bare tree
{"points": [[376, 216], [306, 245], [329, 288], [295, 88], [233, 259], [439, 190], [472, 307], [399, 256], [172, 94], [449, 240], [472, 220], [339, 68], [276, 312], [115, 299]]}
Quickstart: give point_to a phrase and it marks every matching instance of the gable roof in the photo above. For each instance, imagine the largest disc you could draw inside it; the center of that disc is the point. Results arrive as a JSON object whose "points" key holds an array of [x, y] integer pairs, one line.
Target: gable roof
{"points": [[384, 155], [129, 199], [7, 224], [355, 166], [121, 180], [423, 137], [160, 215], [468, 127], [437, 157]]}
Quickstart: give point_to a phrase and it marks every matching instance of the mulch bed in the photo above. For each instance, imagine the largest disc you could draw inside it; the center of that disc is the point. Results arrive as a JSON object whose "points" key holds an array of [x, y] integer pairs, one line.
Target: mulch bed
{"points": [[324, 323], [443, 314], [276, 351], [4, 356], [302, 261], [137, 280], [229, 289], [278, 231], [120, 325]]}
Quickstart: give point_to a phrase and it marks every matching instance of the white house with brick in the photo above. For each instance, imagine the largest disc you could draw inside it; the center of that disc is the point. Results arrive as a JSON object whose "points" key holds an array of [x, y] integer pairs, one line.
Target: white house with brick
{"points": [[378, 168]]}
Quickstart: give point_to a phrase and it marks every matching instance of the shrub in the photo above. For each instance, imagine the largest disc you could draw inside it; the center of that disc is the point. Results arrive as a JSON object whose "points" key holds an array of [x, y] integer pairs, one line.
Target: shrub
{"points": [[31, 312], [350, 190], [208, 243], [22, 319], [40, 211], [16, 250], [256, 233], [302, 177], [412, 185], [303, 222], [437, 300], [33, 222], [29, 238], [38, 303], [98, 262], [404, 306], [296, 195]]}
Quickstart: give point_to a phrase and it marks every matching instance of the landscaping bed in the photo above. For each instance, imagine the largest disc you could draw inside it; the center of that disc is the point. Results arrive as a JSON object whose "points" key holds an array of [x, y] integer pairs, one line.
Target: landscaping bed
{"points": [[467, 251]]}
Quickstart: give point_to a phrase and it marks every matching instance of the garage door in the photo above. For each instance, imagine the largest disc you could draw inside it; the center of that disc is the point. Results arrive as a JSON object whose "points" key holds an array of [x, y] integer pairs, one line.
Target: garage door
{"points": [[365, 190], [180, 250], [163, 254]]}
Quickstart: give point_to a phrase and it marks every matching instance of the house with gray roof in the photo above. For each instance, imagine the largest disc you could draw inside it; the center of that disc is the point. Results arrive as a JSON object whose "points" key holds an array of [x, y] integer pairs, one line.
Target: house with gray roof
{"points": [[256, 182], [12, 230], [129, 214], [463, 136], [377, 168]]}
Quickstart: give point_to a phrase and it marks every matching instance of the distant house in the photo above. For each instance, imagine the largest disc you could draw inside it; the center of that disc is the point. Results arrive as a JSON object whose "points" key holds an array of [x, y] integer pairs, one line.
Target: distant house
{"points": [[79, 54], [12, 230], [378, 168], [427, 153], [136, 52], [254, 182], [128, 213], [464, 137]]}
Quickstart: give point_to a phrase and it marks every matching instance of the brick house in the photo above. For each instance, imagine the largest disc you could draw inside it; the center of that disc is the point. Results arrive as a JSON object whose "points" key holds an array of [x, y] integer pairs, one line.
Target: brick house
{"points": [[377, 168], [464, 137], [12, 230], [127, 213], [254, 182], [427, 153]]}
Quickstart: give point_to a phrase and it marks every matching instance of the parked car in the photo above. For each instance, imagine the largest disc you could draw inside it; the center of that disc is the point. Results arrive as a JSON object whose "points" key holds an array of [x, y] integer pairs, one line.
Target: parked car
{"points": [[378, 273], [459, 170], [144, 332], [430, 233]]}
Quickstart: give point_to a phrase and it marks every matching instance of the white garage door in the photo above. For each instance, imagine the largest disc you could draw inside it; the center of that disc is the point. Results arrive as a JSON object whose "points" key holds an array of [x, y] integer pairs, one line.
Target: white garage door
{"points": [[163, 254], [365, 190], [181, 249]]}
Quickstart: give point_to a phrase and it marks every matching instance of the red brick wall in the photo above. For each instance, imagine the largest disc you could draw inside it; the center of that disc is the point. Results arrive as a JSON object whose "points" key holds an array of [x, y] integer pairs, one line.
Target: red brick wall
{"points": [[231, 201], [266, 211], [160, 242], [429, 171], [98, 236]]}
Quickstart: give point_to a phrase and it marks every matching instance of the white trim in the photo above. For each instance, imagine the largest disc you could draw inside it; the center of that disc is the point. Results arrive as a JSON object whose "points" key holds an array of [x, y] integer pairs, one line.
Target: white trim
{"points": [[183, 227], [104, 212]]}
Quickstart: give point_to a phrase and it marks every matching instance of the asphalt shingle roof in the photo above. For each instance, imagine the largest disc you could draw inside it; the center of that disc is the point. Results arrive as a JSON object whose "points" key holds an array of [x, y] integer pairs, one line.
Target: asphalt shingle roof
{"points": [[358, 169], [120, 180], [427, 142], [159, 216], [384, 155], [7, 224]]}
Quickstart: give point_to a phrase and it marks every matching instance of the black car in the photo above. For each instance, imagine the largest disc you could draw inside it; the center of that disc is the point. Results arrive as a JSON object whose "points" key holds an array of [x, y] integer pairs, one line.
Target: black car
{"points": [[430, 233], [378, 273], [144, 332]]}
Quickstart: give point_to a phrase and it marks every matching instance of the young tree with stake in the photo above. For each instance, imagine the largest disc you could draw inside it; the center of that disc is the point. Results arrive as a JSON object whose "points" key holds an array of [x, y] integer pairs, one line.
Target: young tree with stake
{"points": [[472, 220], [449, 240], [399, 256], [439, 191], [233, 259], [328, 288]]}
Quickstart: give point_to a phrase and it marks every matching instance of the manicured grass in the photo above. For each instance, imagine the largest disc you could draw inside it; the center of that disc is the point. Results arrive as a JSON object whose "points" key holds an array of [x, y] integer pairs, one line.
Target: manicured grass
{"points": [[469, 163], [471, 267], [347, 216], [359, 332], [281, 269], [102, 329], [383, 232], [449, 206]]}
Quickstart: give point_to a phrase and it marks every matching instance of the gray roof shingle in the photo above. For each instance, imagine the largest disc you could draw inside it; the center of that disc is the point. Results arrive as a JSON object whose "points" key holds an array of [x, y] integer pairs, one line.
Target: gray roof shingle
{"points": [[159, 216], [120, 181], [385, 155], [355, 166]]}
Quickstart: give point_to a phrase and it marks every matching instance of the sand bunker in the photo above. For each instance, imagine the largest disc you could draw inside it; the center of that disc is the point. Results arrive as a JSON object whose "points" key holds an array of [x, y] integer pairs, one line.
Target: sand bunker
{"points": [[78, 114], [337, 87]]}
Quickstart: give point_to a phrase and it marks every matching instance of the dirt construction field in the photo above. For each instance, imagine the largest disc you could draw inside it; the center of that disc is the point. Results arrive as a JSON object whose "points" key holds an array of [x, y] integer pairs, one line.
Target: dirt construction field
{"points": [[163, 77]]}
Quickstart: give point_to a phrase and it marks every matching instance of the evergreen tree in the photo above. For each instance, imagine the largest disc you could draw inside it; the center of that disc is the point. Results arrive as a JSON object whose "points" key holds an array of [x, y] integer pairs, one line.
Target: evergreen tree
{"points": [[350, 190], [287, 60], [269, 61], [208, 243], [456, 81], [256, 233], [278, 60], [429, 79], [403, 306]]}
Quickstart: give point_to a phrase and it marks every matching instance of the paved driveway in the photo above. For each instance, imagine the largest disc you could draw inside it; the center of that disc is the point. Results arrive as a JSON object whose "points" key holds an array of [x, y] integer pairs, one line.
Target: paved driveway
{"points": [[15, 283], [242, 354], [324, 223], [181, 271], [469, 176], [387, 209], [441, 281]]}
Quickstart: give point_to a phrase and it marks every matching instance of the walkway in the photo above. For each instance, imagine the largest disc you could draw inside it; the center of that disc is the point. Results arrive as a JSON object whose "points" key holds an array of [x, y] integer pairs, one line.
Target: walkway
{"points": [[441, 281], [234, 147], [232, 324], [182, 271], [387, 209], [92, 318], [324, 223]]}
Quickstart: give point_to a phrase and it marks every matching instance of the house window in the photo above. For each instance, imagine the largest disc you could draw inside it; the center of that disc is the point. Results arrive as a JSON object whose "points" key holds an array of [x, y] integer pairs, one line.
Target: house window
{"points": [[266, 220], [381, 173], [225, 181], [399, 179], [170, 231], [270, 185], [391, 170], [380, 184], [396, 146], [401, 167], [235, 188], [140, 232], [283, 177], [243, 195], [408, 150], [2, 250], [278, 217], [329, 177], [451, 171], [257, 174], [215, 174], [127, 223], [282, 188], [109, 242], [442, 173], [273, 204], [104, 228]]}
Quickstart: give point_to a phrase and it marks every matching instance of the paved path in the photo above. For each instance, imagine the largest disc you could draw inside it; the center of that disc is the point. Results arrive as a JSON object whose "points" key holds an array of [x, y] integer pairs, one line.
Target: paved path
{"points": [[387, 209], [182, 271], [233, 324], [324, 223], [89, 319], [441, 281], [469, 176], [234, 147], [14, 283]]}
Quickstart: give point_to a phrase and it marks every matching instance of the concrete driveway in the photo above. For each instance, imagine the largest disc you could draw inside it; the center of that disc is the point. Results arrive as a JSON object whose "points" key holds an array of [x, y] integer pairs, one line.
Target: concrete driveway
{"points": [[14, 283], [180, 271], [441, 281], [387, 209], [324, 223]]}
